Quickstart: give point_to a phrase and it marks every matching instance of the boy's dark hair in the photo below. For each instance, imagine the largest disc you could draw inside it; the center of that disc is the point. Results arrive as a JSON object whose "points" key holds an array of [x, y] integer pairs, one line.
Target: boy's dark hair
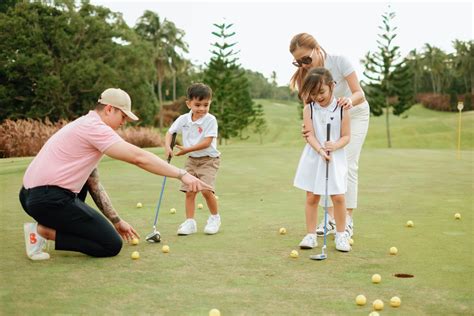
{"points": [[199, 91]]}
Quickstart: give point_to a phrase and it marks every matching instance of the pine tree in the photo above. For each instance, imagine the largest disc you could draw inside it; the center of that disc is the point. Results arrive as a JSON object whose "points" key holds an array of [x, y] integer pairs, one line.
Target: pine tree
{"points": [[389, 86], [232, 104]]}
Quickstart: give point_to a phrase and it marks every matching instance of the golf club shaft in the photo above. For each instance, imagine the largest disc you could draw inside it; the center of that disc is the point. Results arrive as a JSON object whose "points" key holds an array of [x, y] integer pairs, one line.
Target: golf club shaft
{"points": [[328, 137], [173, 142]]}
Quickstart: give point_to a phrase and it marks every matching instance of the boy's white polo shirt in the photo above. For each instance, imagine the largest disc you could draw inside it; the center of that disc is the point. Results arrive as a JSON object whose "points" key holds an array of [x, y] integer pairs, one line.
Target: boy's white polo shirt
{"points": [[195, 132]]}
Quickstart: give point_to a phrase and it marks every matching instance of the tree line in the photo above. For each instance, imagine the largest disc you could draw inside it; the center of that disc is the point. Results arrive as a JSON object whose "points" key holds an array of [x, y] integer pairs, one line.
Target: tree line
{"points": [[57, 56]]}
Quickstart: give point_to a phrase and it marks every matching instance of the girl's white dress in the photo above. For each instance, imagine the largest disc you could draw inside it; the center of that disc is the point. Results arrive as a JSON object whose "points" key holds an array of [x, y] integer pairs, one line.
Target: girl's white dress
{"points": [[311, 173]]}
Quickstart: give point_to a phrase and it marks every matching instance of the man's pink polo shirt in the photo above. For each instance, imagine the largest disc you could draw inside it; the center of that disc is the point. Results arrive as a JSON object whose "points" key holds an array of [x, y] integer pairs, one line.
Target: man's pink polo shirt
{"points": [[69, 156]]}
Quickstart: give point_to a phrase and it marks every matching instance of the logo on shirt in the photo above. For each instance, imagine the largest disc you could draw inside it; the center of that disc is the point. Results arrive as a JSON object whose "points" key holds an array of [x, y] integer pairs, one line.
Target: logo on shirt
{"points": [[200, 129]]}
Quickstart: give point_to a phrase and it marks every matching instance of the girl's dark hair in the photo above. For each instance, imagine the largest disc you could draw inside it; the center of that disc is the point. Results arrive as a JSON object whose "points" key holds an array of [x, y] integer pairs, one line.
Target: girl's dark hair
{"points": [[313, 81], [199, 91]]}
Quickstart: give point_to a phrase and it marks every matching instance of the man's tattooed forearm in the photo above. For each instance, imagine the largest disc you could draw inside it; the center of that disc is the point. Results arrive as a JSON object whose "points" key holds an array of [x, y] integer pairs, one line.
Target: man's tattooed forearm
{"points": [[101, 198]]}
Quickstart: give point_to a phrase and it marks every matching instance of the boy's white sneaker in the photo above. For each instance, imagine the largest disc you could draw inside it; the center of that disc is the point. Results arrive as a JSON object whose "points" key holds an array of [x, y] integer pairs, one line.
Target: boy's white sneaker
{"points": [[213, 224], [331, 228], [34, 242], [187, 227], [309, 242], [342, 242]]}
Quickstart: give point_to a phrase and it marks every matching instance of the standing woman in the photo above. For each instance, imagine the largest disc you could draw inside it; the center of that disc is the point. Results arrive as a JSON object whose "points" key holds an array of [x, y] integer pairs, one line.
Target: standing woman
{"points": [[308, 54]]}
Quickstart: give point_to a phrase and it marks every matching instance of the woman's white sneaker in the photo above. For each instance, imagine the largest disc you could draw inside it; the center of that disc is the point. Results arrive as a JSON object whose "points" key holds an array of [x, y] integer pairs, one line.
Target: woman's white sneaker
{"points": [[188, 227], [34, 242], [309, 242], [342, 242], [331, 228]]}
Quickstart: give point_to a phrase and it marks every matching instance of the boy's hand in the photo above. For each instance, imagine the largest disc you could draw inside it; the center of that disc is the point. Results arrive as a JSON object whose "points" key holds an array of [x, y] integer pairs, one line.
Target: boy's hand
{"points": [[330, 146], [182, 150], [168, 152]]}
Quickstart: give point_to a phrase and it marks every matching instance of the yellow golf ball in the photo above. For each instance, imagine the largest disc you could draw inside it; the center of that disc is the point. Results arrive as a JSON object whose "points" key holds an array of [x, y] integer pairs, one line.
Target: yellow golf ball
{"points": [[135, 255], [395, 301], [393, 250], [214, 312], [351, 241], [217, 197], [376, 278], [172, 210], [410, 224], [139, 205], [282, 231], [135, 241], [200, 206], [374, 313], [294, 254], [457, 216], [361, 300], [377, 305], [165, 249]]}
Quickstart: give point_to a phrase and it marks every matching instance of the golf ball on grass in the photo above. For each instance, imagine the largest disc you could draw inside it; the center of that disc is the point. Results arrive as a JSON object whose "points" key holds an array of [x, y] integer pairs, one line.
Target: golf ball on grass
{"points": [[393, 250], [351, 241], [165, 249], [457, 216], [377, 305], [139, 205], [172, 210], [200, 206], [214, 312], [361, 300], [374, 314], [282, 231], [410, 224], [395, 301], [294, 254], [217, 197], [376, 278], [135, 241], [135, 255]]}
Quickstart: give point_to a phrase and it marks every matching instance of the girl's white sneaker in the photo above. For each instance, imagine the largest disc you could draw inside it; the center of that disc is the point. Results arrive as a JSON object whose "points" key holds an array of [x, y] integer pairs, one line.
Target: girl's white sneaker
{"points": [[309, 242], [342, 242]]}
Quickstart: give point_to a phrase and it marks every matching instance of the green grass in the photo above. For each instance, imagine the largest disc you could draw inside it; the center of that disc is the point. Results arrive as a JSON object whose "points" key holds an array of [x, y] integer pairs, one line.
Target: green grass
{"points": [[246, 268]]}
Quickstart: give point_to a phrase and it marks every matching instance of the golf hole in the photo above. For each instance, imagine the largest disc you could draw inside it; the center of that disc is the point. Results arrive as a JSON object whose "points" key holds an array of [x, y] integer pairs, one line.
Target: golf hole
{"points": [[404, 275]]}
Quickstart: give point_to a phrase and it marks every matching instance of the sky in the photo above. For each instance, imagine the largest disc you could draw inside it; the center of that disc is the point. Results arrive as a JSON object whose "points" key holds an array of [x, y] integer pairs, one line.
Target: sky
{"points": [[264, 28]]}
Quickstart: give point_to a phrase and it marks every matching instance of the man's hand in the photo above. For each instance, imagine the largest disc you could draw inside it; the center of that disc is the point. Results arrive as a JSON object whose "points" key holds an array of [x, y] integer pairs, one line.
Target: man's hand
{"points": [[182, 150], [194, 184], [126, 230]]}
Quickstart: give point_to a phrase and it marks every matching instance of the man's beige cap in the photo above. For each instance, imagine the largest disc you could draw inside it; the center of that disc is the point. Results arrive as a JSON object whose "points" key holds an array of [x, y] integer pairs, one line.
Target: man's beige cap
{"points": [[118, 99]]}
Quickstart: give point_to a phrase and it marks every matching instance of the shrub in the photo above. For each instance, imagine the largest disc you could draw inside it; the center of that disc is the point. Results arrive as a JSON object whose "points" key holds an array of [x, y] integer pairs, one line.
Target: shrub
{"points": [[172, 111], [434, 101], [26, 137]]}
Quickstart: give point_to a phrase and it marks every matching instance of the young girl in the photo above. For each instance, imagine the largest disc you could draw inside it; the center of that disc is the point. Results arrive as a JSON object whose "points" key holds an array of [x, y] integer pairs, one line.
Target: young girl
{"points": [[321, 109]]}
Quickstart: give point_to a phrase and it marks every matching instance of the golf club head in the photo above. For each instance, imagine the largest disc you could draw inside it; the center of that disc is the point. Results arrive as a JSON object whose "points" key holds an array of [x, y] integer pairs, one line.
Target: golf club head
{"points": [[319, 257], [154, 237]]}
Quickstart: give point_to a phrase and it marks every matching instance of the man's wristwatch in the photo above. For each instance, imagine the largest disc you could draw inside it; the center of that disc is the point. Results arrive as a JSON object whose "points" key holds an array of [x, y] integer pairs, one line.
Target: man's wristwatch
{"points": [[181, 173]]}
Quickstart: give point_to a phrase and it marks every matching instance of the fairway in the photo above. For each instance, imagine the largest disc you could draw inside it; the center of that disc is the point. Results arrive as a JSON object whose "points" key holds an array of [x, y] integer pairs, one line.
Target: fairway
{"points": [[246, 269]]}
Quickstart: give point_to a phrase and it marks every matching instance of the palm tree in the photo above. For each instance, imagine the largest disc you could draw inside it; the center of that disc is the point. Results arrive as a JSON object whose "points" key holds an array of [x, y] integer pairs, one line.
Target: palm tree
{"points": [[164, 37]]}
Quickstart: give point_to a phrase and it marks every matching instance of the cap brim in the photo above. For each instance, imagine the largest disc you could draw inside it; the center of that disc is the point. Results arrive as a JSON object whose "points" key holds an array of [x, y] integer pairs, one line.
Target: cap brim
{"points": [[130, 115]]}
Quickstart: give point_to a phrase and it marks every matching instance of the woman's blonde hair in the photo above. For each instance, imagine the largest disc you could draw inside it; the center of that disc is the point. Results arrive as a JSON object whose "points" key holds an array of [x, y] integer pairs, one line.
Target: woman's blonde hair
{"points": [[313, 81], [302, 40]]}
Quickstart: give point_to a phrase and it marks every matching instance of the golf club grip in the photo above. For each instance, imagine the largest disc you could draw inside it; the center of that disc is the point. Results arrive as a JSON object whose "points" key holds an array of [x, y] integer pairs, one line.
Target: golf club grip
{"points": [[328, 132], [173, 142]]}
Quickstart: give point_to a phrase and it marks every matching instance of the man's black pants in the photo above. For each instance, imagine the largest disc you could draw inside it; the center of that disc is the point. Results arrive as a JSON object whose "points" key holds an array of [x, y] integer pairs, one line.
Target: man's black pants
{"points": [[78, 226]]}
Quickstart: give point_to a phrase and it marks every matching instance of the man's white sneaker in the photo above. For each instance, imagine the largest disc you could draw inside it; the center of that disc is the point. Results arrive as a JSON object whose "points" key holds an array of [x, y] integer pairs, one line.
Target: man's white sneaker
{"points": [[213, 224], [309, 242], [342, 242], [350, 229], [34, 242], [187, 227], [331, 228]]}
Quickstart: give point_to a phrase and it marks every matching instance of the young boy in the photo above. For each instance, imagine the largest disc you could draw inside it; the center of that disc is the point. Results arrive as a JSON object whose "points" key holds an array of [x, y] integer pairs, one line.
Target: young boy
{"points": [[199, 129]]}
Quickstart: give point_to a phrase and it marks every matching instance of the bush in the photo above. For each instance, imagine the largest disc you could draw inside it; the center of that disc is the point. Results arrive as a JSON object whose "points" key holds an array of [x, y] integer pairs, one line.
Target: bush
{"points": [[172, 111], [141, 136], [26, 137], [434, 101]]}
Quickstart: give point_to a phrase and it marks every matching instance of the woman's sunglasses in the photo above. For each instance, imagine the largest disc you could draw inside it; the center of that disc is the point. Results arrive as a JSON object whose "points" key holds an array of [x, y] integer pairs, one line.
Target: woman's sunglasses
{"points": [[306, 60]]}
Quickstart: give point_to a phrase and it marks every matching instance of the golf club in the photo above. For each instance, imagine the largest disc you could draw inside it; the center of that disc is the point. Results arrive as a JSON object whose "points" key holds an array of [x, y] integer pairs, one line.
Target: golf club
{"points": [[322, 255], [155, 235]]}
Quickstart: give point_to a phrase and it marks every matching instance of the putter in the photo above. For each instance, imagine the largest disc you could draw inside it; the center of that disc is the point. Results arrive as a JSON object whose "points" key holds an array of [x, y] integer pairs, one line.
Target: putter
{"points": [[323, 255], [155, 236]]}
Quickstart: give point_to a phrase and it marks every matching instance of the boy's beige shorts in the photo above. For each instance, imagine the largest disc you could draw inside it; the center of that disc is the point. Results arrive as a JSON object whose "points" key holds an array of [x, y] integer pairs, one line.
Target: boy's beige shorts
{"points": [[203, 168]]}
